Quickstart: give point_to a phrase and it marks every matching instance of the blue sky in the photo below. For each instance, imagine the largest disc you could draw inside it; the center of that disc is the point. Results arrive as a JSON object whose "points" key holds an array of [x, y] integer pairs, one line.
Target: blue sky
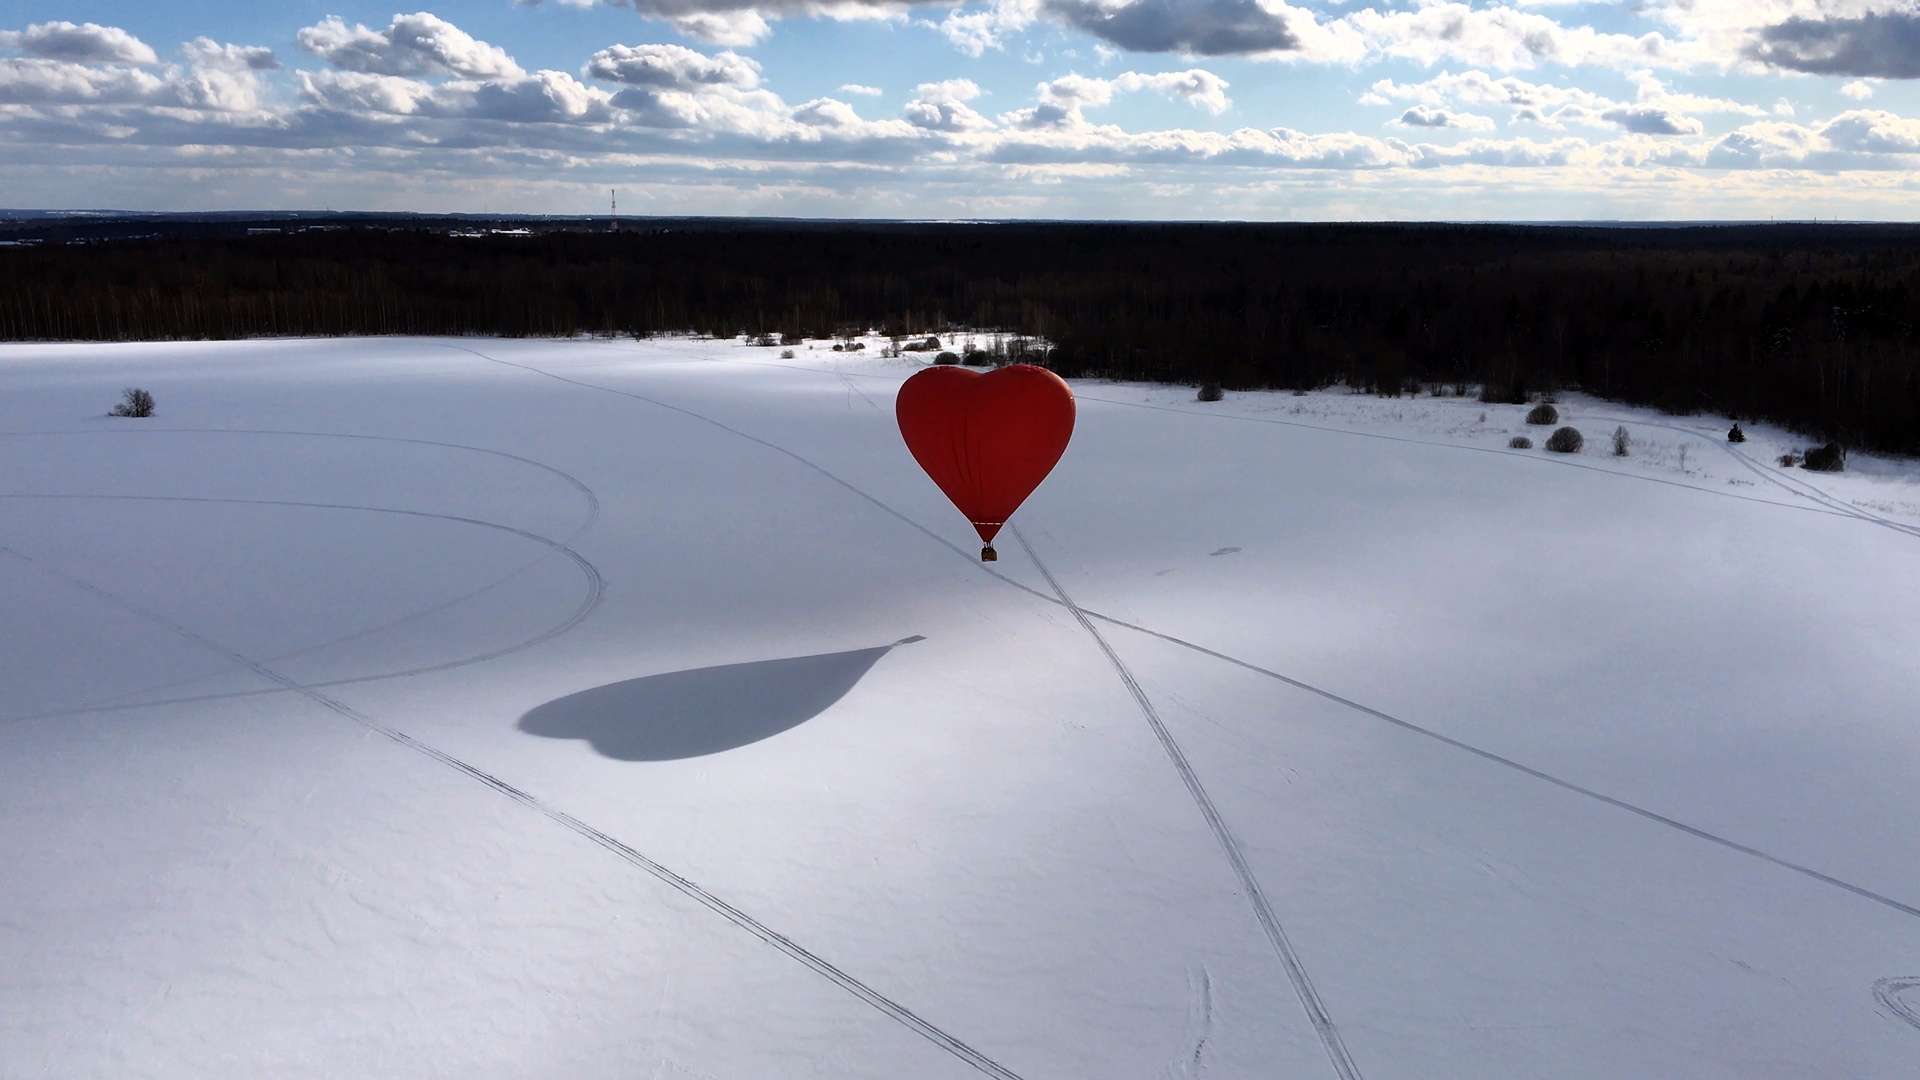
{"points": [[1245, 109]]}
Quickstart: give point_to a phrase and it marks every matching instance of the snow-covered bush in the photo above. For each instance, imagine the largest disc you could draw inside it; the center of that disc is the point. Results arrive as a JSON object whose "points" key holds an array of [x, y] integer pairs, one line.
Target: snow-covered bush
{"points": [[1621, 440], [947, 358], [135, 402], [786, 354], [1520, 442], [1210, 392], [1543, 414], [1565, 441]]}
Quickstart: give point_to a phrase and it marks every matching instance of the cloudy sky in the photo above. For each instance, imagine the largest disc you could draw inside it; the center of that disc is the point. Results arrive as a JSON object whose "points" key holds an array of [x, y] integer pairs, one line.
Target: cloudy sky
{"points": [[1249, 109]]}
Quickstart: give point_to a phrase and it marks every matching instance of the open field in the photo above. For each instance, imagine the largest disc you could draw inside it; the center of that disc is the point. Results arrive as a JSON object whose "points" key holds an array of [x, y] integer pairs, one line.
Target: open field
{"points": [[481, 708]]}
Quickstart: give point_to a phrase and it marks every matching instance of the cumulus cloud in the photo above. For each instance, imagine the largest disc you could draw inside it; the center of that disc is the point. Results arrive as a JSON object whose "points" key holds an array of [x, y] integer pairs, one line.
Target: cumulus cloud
{"points": [[864, 91], [1880, 44], [1871, 131], [1191, 27], [1858, 90], [1497, 37], [941, 106], [1430, 32], [543, 97], [745, 22], [84, 42], [1062, 99], [1197, 87], [417, 44], [1652, 120], [37, 81], [34, 81], [1426, 116], [206, 53], [1657, 110], [672, 67], [353, 91]]}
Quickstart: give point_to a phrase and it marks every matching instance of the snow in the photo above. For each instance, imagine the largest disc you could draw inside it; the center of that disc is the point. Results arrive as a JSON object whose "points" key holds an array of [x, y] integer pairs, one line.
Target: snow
{"points": [[312, 756]]}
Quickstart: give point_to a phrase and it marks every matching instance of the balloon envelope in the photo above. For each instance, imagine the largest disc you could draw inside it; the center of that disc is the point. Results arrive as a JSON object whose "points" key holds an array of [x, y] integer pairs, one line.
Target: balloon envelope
{"points": [[987, 439]]}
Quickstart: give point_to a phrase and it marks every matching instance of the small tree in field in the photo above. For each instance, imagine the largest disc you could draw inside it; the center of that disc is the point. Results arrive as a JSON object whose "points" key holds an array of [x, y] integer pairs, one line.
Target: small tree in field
{"points": [[135, 402], [1621, 440]]}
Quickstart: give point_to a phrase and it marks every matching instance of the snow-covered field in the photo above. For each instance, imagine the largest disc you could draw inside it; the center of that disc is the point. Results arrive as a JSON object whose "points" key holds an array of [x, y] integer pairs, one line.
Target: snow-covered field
{"points": [[471, 708]]}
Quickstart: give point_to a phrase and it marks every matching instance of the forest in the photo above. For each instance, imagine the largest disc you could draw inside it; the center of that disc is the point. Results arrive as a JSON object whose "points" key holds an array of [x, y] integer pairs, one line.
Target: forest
{"points": [[1813, 326]]}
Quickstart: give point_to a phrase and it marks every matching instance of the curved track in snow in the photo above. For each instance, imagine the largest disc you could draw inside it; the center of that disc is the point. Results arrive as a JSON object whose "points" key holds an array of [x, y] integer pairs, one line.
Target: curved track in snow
{"points": [[1888, 992], [595, 594], [685, 886], [596, 584]]}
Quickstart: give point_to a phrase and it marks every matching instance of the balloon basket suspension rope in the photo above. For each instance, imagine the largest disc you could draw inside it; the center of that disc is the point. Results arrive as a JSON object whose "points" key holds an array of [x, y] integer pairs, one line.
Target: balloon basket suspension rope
{"points": [[987, 554]]}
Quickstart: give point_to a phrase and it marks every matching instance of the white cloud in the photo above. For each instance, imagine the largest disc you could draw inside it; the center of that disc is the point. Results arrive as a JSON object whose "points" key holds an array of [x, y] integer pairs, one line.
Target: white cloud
{"points": [[863, 91], [1062, 99], [417, 44], [941, 106], [84, 42], [745, 22], [207, 53], [28, 81], [1652, 120], [1858, 90], [1871, 131], [1656, 111], [1202, 89], [1426, 116], [672, 67]]}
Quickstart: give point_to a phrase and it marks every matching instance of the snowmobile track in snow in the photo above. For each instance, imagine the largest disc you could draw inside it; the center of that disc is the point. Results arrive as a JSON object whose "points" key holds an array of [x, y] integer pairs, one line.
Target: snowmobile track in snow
{"points": [[893, 1009], [1888, 992], [1487, 755], [596, 584], [1249, 884]]}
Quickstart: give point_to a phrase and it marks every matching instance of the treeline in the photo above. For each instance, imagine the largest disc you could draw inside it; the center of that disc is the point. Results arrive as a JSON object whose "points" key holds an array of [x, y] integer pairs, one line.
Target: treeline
{"points": [[1814, 326]]}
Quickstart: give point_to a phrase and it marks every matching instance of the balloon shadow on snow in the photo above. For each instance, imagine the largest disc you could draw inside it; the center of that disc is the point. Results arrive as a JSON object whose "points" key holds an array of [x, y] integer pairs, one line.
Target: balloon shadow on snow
{"points": [[685, 714]]}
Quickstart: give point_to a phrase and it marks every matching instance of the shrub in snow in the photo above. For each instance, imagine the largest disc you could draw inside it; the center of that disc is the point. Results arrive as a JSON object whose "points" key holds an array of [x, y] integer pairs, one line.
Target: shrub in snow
{"points": [[1565, 441], [135, 402], [1620, 442], [1543, 413], [1210, 392], [1734, 434], [786, 354], [930, 344], [1520, 442], [947, 358], [1789, 460], [760, 339], [1829, 458], [976, 358]]}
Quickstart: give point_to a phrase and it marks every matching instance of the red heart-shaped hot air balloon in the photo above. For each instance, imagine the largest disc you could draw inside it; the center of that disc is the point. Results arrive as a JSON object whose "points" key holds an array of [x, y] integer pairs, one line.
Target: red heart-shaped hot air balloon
{"points": [[986, 439]]}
